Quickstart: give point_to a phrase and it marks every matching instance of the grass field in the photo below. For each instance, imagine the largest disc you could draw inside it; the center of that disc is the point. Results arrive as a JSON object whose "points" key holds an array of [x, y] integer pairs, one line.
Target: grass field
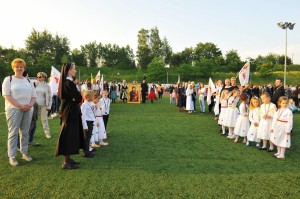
{"points": [[154, 152]]}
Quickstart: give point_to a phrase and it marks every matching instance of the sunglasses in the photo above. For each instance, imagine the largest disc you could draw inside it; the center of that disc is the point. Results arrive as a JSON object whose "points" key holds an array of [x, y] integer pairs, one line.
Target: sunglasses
{"points": [[40, 77]]}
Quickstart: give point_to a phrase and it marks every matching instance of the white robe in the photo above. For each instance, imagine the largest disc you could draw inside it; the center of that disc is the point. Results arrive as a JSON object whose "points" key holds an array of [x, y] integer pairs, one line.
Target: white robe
{"points": [[254, 117], [232, 112], [224, 104], [242, 124], [265, 124], [99, 133], [189, 101], [281, 125]]}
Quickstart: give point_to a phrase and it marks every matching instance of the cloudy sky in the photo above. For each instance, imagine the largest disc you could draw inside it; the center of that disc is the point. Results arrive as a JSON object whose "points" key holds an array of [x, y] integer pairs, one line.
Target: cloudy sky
{"points": [[248, 26]]}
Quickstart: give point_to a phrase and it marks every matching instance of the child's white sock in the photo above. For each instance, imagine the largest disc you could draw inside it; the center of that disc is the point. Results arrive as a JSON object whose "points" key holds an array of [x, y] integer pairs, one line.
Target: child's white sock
{"points": [[223, 129], [282, 151]]}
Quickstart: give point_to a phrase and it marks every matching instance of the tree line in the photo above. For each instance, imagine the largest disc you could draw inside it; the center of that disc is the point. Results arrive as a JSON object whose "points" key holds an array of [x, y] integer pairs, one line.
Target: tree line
{"points": [[44, 49]]}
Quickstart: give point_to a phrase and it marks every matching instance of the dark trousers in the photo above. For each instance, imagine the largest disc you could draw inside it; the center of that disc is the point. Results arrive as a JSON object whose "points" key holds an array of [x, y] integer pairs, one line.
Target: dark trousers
{"points": [[144, 94], [105, 120], [160, 94], [87, 136], [210, 107]]}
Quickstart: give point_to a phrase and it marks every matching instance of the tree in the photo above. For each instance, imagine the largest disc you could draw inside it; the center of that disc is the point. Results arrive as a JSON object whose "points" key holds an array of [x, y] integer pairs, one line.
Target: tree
{"points": [[185, 71], [166, 51], [155, 43], [78, 57], [90, 52], [38, 43], [143, 50], [187, 55], [204, 67], [233, 60], [61, 49], [176, 60], [266, 69], [206, 50], [156, 70]]}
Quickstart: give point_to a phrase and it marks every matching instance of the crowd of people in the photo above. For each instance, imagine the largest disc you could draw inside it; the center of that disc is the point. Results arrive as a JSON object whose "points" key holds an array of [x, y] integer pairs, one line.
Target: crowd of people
{"points": [[83, 113], [255, 113]]}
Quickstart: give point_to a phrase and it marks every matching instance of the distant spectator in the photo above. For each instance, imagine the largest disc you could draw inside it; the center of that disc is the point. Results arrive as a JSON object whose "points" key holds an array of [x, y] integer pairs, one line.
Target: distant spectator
{"points": [[278, 92]]}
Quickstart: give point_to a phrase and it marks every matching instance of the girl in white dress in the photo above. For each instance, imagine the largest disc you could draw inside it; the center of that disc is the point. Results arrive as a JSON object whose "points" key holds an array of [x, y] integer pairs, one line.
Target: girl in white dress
{"points": [[267, 111], [242, 124], [224, 104], [99, 132], [189, 99], [281, 128], [254, 117], [232, 113]]}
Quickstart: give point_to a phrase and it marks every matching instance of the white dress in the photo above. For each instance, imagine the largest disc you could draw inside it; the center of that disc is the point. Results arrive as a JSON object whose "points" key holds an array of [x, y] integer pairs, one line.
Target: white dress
{"points": [[281, 125], [242, 124], [99, 133], [232, 112], [254, 116], [217, 100], [189, 101], [224, 104], [265, 124]]}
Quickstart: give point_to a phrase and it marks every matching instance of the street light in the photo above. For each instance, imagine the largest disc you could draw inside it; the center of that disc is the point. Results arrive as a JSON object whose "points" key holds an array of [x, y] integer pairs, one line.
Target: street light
{"points": [[285, 26]]}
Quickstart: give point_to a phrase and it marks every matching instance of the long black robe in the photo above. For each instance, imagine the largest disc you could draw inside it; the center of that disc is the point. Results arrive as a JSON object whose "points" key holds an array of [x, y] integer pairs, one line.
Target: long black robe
{"points": [[71, 138]]}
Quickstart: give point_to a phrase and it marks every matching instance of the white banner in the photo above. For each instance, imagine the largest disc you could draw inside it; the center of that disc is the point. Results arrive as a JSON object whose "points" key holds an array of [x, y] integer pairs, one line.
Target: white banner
{"points": [[54, 80], [244, 74]]}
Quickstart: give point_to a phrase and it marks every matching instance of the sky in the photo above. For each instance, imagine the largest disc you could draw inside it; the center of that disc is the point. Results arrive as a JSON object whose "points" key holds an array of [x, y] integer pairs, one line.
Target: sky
{"points": [[248, 26]]}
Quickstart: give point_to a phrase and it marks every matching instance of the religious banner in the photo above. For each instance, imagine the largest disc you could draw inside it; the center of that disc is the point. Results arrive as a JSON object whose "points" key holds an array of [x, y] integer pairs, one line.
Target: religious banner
{"points": [[54, 80], [244, 74], [134, 93]]}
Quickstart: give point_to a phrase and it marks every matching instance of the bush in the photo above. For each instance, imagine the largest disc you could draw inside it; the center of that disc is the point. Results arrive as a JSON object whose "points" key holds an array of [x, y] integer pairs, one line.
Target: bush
{"points": [[156, 70]]}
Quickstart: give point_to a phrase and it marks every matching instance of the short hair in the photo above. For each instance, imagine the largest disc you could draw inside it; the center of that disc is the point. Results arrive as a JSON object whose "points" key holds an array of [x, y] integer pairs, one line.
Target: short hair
{"points": [[279, 79], [265, 94], [232, 78], [18, 61], [96, 95], [87, 93]]}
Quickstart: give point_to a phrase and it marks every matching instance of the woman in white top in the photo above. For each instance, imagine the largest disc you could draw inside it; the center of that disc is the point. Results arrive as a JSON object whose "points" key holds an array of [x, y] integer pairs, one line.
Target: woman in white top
{"points": [[189, 98], [44, 100], [20, 96]]}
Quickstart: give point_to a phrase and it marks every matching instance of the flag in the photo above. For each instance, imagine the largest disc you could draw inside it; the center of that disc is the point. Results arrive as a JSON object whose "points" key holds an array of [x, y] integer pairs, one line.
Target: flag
{"points": [[210, 90], [92, 79], [54, 80], [98, 77], [244, 74]]}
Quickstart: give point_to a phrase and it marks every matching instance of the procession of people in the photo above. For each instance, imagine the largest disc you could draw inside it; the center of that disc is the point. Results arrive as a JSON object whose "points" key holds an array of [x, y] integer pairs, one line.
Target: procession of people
{"points": [[257, 114]]}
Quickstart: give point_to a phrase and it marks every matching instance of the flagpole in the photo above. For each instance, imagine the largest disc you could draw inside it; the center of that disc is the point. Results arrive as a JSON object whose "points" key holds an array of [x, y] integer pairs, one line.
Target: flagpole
{"points": [[79, 75]]}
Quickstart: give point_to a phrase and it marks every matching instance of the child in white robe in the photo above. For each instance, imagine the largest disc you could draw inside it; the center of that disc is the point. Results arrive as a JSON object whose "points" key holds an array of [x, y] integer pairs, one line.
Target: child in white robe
{"points": [[254, 117], [232, 113], [281, 128], [267, 110], [242, 124], [224, 104]]}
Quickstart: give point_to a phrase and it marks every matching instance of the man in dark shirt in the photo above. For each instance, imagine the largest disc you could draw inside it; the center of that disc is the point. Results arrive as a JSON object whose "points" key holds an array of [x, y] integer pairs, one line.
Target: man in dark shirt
{"points": [[278, 92], [144, 87], [233, 84]]}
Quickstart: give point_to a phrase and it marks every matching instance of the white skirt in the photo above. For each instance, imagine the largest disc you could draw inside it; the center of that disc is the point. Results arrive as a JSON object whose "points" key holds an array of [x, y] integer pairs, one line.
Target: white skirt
{"points": [[189, 103], [242, 126], [222, 116], [99, 133], [231, 117], [252, 133], [279, 137], [264, 129]]}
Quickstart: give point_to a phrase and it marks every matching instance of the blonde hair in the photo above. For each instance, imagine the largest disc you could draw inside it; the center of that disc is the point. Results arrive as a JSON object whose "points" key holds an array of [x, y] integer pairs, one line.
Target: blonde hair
{"points": [[88, 93], [251, 107], [42, 74], [223, 93], [17, 61], [282, 98]]}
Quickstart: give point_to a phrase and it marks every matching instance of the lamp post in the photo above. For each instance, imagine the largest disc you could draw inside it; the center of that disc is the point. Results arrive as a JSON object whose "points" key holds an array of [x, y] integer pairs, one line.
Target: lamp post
{"points": [[285, 26]]}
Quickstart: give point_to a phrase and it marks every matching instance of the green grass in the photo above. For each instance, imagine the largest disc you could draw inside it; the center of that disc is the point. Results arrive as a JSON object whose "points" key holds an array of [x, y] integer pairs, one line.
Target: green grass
{"points": [[154, 152]]}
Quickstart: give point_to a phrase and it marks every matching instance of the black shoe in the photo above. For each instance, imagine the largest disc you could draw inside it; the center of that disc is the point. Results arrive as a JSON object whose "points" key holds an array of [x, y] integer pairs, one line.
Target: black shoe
{"points": [[69, 166], [88, 155], [270, 150], [93, 150], [73, 162], [263, 149]]}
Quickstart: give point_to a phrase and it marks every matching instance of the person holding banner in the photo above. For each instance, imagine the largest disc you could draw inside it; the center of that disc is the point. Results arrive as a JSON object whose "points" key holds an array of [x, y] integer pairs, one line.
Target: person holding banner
{"points": [[71, 137]]}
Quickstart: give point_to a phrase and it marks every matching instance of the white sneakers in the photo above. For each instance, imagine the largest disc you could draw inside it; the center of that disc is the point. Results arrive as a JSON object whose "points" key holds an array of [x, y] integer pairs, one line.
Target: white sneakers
{"points": [[26, 157], [48, 135], [14, 162]]}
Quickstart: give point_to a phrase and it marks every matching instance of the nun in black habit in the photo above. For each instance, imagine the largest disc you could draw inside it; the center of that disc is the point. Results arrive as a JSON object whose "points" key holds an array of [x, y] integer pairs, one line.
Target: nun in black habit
{"points": [[71, 138]]}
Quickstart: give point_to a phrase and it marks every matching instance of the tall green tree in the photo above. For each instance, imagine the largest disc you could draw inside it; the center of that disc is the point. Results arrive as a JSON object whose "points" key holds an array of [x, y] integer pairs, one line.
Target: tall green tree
{"points": [[144, 56], [166, 51], [78, 57], [187, 55], [155, 43], [233, 60], [206, 50], [90, 52], [156, 70], [61, 49]]}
